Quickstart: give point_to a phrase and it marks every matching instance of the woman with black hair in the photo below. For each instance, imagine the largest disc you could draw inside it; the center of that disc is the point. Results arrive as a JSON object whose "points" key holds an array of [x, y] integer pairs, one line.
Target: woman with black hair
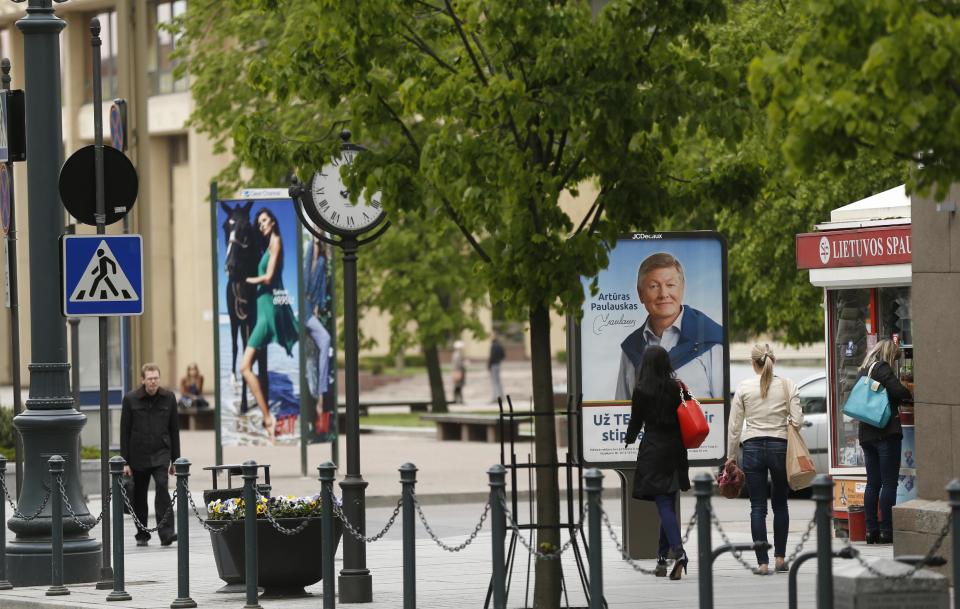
{"points": [[276, 322], [662, 469]]}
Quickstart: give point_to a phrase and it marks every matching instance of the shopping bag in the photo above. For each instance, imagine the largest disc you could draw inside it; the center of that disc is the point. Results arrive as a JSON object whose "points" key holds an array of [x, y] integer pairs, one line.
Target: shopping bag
{"points": [[731, 481], [868, 402], [800, 468], [693, 424]]}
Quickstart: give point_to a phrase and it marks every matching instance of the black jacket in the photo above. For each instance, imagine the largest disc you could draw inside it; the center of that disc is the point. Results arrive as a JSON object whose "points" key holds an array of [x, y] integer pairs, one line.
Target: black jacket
{"points": [[149, 430], [661, 460], [896, 392]]}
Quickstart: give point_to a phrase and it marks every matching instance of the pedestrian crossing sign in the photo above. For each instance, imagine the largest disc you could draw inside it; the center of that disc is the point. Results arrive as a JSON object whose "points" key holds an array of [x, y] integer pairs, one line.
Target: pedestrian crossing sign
{"points": [[102, 275]]}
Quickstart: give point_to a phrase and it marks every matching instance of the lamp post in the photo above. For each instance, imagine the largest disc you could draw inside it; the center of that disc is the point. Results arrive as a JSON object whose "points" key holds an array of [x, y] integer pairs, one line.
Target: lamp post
{"points": [[50, 424]]}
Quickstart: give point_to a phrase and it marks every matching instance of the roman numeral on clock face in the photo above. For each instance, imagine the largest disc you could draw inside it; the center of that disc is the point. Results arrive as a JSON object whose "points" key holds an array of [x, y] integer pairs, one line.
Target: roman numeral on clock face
{"points": [[335, 216], [323, 205], [350, 221]]}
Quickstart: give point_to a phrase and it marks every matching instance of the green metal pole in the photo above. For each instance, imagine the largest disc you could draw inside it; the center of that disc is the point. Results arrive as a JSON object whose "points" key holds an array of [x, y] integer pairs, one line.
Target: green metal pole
{"points": [[116, 472], [183, 601], [250, 532]]}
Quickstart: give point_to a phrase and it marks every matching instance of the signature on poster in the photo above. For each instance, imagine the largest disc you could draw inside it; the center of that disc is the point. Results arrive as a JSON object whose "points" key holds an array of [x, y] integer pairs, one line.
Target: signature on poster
{"points": [[604, 321]]}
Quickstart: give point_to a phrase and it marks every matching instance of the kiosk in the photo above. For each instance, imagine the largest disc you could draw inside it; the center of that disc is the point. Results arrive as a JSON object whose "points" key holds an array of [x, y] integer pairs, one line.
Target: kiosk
{"points": [[862, 260]]}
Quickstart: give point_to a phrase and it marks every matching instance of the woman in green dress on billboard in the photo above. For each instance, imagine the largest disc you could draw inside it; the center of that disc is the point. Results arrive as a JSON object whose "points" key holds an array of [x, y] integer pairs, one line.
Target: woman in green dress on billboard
{"points": [[276, 322]]}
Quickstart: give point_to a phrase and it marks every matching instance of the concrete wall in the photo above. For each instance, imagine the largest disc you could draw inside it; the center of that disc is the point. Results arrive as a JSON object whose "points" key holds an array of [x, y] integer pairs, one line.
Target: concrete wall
{"points": [[935, 292]]}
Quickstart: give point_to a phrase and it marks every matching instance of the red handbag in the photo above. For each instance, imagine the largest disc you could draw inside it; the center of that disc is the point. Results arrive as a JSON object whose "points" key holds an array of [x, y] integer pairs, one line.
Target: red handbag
{"points": [[693, 423]]}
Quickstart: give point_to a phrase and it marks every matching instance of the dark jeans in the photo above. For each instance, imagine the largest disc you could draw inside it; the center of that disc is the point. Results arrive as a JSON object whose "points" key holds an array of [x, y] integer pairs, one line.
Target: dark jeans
{"points": [[161, 501], [669, 526], [882, 459], [762, 455]]}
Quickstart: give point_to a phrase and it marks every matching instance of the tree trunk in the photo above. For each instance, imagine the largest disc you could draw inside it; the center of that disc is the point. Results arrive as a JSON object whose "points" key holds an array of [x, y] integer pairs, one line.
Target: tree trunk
{"points": [[546, 593], [438, 397]]}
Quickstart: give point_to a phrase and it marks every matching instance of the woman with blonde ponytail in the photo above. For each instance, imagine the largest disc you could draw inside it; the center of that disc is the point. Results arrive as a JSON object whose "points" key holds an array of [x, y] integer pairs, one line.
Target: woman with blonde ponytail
{"points": [[762, 408]]}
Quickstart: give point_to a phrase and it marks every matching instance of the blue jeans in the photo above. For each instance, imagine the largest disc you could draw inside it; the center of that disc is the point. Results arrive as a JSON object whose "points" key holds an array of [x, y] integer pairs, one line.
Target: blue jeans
{"points": [[669, 526], [762, 455], [882, 459]]}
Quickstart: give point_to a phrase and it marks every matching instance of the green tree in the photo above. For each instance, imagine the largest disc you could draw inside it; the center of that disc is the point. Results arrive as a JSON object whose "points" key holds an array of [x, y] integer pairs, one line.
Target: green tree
{"points": [[869, 77], [421, 274], [486, 111], [741, 183]]}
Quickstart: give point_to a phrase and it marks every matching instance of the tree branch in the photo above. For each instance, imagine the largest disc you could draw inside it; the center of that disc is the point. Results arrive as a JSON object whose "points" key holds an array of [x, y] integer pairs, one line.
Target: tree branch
{"points": [[653, 36], [486, 58], [596, 217], [466, 43], [587, 216], [548, 156], [403, 127], [571, 169], [463, 229], [559, 157], [423, 46]]}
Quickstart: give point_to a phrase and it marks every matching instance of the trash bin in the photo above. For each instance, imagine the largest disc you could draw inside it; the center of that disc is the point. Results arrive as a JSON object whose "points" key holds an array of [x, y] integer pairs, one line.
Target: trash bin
{"points": [[856, 520]]}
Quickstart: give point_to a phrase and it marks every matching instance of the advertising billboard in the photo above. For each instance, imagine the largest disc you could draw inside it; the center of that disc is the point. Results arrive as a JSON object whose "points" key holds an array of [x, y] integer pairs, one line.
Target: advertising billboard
{"points": [[658, 288]]}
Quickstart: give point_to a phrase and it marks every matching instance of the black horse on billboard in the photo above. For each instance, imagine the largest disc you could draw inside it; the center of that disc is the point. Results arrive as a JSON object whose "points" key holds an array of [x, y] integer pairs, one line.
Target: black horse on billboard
{"points": [[244, 248]]}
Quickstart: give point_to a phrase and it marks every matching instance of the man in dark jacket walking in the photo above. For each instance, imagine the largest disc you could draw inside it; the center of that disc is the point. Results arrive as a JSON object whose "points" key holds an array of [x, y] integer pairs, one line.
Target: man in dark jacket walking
{"points": [[150, 442]]}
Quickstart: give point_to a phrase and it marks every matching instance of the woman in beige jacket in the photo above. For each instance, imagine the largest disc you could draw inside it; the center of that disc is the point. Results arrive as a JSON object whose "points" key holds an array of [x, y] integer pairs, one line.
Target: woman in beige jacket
{"points": [[762, 408]]}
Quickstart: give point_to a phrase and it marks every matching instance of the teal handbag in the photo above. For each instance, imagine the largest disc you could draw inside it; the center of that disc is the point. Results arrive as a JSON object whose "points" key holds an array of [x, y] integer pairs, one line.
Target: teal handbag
{"points": [[868, 402]]}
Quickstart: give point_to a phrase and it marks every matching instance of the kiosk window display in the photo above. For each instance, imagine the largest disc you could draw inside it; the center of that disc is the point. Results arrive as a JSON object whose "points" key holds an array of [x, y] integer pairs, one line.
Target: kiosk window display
{"points": [[862, 260]]}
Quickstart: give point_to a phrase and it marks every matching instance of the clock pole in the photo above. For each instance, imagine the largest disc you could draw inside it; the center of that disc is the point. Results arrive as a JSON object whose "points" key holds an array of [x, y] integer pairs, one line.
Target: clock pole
{"points": [[355, 581]]}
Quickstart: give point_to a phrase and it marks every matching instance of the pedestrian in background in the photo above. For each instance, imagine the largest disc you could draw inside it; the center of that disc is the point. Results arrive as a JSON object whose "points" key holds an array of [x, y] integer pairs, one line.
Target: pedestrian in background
{"points": [[459, 364], [150, 443], [762, 408], [497, 355], [662, 469], [191, 389], [881, 447]]}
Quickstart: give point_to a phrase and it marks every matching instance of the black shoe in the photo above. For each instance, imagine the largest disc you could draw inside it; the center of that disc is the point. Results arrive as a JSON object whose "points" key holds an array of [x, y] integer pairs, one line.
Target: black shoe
{"points": [[872, 537], [886, 537], [661, 570], [680, 565], [142, 542], [168, 540]]}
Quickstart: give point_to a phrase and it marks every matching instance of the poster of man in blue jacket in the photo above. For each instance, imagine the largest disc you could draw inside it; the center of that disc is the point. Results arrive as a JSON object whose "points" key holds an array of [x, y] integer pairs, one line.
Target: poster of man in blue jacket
{"points": [[666, 289]]}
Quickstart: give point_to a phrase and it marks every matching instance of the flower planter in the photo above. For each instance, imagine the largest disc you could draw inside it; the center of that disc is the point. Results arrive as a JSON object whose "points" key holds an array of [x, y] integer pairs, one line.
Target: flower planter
{"points": [[287, 563]]}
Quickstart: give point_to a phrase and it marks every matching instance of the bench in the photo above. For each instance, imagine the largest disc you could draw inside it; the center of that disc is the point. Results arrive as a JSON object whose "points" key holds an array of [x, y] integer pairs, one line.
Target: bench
{"points": [[193, 419], [474, 427], [413, 405]]}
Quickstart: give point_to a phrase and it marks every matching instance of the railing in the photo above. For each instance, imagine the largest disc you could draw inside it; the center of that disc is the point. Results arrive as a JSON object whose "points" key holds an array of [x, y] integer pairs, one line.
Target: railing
{"points": [[496, 511]]}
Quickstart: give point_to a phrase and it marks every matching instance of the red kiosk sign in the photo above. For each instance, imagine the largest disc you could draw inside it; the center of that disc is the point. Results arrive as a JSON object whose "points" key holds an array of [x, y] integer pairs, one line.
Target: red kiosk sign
{"points": [[857, 247]]}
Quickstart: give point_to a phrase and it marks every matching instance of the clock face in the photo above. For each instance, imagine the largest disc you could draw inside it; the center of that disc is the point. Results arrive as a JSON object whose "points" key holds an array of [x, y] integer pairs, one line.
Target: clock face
{"points": [[331, 204]]}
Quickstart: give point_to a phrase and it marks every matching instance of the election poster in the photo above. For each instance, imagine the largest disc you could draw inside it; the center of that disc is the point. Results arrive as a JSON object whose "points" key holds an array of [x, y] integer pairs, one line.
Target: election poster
{"points": [[667, 289]]}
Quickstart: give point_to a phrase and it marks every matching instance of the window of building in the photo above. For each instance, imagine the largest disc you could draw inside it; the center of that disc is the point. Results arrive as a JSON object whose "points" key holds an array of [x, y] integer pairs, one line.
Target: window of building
{"points": [[162, 44], [109, 70]]}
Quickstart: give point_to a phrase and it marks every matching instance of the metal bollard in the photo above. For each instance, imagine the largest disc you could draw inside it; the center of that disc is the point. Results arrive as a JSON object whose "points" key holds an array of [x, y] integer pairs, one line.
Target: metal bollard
{"points": [[56, 528], [182, 469], [116, 473], [328, 548], [4, 584], [703, 489], [408, 479], [823, 495], [953, 489], [498, 527], [250, 531], [593, 483]]}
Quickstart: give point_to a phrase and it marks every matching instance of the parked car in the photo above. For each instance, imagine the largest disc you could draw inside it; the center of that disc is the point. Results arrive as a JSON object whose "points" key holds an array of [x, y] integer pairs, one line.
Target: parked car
{"points": [[813, 401]]}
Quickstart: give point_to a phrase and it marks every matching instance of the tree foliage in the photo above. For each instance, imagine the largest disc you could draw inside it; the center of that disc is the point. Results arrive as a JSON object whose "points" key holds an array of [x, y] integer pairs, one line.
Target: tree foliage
{"points": [[868, 77]]}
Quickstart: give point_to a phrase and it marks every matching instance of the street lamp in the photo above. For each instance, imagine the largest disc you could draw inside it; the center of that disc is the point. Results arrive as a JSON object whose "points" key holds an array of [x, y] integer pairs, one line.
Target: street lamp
{"points": [[50, 425]]}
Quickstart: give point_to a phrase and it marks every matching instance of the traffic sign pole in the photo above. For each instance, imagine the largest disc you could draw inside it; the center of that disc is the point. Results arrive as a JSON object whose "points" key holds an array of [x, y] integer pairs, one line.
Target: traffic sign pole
{"points": [[14, 295], [106, 570]]}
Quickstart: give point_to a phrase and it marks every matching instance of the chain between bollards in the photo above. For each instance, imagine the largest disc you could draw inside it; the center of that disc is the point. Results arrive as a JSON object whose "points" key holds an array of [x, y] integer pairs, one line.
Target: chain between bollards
{"points": [[250, 532], [327, 546], [498, 527], [183, 601], [116, 474], [56, 529], [593, 483]]}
